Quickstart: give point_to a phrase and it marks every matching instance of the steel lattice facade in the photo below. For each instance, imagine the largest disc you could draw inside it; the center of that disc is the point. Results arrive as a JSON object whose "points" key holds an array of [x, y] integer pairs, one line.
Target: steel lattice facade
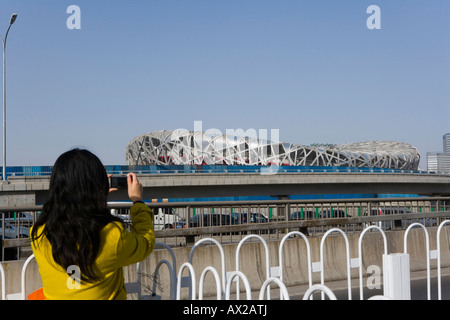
{"points": [[183, 147]]}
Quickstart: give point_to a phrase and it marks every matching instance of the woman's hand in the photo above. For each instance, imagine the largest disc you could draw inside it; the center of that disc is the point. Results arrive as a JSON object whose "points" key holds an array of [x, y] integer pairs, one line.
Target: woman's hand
{"points": [[111, 189], [135, 189]]}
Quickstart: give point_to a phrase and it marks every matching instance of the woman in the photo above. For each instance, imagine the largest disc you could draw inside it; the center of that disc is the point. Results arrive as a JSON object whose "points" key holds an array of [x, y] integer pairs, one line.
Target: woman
{"points": [[79, 246]]}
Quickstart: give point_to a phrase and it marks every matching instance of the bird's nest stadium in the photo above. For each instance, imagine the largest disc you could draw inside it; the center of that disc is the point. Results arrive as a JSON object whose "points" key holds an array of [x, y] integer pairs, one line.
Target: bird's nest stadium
{"points": [[183, 147]]}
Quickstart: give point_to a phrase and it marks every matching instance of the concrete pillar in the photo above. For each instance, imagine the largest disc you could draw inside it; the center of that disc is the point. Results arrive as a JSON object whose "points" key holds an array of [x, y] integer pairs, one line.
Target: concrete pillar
{"points": [[396, 276]]}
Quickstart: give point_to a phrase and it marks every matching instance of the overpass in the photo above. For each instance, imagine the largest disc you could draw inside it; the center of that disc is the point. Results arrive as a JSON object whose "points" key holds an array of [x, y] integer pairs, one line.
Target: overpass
{"points": [[30, 190]]}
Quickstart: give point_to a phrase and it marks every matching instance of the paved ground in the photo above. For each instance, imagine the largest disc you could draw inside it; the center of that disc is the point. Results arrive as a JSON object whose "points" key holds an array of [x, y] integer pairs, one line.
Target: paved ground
{"points": [[340, 288]]}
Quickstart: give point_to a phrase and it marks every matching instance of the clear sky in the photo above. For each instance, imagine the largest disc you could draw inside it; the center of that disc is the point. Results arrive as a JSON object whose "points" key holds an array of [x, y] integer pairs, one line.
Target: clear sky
{"points": [[310, 68]]}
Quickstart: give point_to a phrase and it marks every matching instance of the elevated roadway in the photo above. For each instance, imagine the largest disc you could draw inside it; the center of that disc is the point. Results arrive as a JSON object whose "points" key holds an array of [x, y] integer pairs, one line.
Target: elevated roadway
{"points": [[34, 189]]}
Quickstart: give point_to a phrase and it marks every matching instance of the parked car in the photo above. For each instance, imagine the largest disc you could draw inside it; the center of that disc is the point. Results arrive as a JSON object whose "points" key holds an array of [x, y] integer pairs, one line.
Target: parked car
{"points": [[255, 217], [163, 218], [25, 218], [12, 231], [8, 253], [380, 211], [210, 220], [387, 210], [166, 218], [298, 215], [335, 213], [178, 225]]}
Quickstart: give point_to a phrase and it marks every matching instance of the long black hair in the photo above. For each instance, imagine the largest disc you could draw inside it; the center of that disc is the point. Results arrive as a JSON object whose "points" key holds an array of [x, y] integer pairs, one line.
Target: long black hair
{"points": [[76, 211]]}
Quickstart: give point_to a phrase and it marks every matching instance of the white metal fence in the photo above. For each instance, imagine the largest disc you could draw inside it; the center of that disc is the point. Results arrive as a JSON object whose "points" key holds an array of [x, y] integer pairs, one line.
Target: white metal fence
{"points": [[274, 274], [394, 288]]}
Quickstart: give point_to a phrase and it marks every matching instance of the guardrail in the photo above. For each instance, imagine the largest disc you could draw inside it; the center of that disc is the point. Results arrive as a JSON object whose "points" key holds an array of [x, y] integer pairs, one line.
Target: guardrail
{"points": [[230, 221], [174, 169], [309, 216]]}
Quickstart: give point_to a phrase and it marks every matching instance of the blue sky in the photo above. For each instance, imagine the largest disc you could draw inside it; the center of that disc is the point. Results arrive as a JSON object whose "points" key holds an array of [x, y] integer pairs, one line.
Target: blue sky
{"points": [[311, 69]]}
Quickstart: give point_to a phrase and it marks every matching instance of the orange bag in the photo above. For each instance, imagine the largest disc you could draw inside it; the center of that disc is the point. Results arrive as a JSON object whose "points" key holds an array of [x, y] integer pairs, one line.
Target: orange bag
{"points": [[37, 295]]}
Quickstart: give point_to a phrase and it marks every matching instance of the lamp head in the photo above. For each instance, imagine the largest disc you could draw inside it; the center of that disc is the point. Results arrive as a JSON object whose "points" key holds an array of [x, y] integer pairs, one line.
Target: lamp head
{"points": [[13, 18]]}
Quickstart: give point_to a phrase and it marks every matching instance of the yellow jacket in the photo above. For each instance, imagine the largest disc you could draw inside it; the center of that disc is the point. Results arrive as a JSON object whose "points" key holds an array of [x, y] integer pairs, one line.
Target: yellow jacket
{"points": [[118, 248]]}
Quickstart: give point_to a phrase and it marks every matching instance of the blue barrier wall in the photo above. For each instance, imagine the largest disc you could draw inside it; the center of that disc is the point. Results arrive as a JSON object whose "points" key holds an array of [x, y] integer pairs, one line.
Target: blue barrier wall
{"points": [[122, 169]]}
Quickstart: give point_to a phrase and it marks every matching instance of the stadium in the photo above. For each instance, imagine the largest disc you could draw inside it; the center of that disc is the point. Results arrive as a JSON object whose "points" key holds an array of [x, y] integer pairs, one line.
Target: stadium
{"points": [[183, 147]]}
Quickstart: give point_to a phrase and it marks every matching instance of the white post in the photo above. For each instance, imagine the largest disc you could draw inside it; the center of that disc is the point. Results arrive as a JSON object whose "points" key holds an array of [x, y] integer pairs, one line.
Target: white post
{"points": [[397, 279]]}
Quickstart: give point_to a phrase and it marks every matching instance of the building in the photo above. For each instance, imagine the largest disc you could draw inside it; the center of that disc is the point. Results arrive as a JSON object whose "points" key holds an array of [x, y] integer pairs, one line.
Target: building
{"points": [[446, 143], [444, 162], [432, 161], [183, 147], [440, 161]]}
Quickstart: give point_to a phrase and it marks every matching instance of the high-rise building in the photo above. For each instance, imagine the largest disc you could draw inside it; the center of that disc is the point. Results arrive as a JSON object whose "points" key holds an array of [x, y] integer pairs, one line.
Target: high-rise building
{"points": [[446, 140], [444, 162], [440, 161], [432, 161]]}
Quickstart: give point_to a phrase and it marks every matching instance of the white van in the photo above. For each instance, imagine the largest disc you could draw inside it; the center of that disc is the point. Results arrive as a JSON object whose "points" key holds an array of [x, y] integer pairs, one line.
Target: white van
{"points": [[164, 218], [167, 218]]}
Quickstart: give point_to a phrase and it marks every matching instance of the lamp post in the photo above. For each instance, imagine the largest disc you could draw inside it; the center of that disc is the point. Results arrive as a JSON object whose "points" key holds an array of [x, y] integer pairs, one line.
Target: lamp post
{"points": [[13, 18]]}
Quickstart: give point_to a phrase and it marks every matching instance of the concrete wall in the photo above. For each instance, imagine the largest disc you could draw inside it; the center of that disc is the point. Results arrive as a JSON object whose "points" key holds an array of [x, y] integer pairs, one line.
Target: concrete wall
{"points": [[253, 260], [19, 198]]}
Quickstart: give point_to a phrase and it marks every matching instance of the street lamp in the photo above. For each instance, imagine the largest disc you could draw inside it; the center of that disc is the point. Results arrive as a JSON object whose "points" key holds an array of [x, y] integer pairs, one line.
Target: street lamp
{"points": [[13, 18]]}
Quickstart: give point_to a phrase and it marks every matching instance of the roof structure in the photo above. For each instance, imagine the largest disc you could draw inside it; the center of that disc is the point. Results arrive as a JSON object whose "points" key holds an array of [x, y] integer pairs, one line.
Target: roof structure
{"points": [[183, 147]]}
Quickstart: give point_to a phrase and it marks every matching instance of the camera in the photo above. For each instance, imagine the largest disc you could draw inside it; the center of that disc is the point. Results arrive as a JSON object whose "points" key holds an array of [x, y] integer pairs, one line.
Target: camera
{"points": [[119, 182]]}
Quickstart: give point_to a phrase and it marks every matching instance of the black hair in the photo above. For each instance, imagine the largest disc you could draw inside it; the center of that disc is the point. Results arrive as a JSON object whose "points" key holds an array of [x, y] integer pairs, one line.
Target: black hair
{"points": [[76, 211]]}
